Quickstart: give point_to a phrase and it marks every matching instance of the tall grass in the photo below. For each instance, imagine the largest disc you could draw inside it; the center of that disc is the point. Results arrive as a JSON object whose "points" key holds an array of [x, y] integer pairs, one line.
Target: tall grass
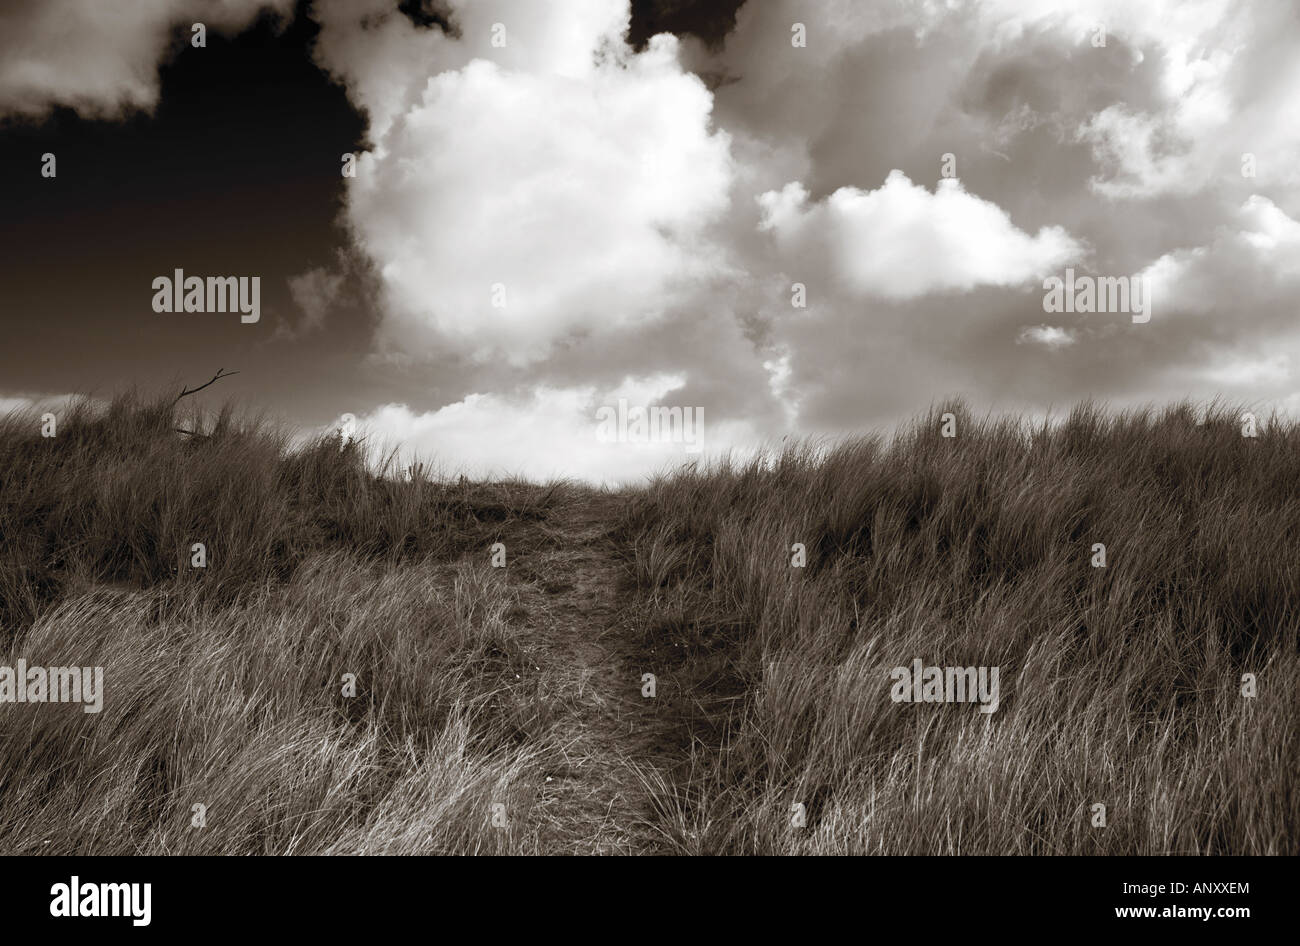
{"points": [[120, 496], [242, 710], [1121, 685], [225, 684]]}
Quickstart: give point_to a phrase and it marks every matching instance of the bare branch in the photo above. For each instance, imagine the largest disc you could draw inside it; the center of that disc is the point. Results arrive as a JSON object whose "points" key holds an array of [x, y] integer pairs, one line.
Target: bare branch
{"points": [[215, 378]]}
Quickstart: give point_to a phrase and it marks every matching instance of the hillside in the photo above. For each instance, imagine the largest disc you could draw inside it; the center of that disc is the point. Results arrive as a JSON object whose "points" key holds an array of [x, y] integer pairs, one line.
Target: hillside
{"points": [[497, 638]]}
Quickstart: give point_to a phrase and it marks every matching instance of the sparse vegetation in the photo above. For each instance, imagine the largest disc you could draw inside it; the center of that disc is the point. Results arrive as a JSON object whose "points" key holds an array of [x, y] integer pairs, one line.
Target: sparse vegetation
{"points": [[520, 686]]}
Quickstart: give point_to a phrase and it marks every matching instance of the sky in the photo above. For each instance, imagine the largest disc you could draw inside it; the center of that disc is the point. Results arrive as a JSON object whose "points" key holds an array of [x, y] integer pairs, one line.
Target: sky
{"points": [[799, 218]]}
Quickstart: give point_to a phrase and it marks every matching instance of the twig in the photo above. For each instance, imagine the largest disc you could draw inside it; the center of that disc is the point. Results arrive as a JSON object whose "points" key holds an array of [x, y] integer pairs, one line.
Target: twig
{"points": [[215, 378]]}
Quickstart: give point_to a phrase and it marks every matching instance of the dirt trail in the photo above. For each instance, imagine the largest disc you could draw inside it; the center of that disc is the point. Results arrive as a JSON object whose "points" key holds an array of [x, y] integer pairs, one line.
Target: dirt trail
{"points": [[568, 573]]}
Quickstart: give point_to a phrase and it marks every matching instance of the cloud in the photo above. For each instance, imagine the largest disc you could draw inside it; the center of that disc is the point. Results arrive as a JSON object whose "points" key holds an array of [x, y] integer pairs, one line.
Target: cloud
{"points": [[1252, 267], [1225, 82], [550, 433], [1049, 336], [540, 213], [901, 241], [101, 58], [1250, 372], [815, 165], [315, 293], [554, 188], [17, 402]]}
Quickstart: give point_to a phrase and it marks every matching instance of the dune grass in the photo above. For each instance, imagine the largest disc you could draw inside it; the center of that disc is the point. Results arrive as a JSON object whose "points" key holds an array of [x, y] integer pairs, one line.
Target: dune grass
{"points": [[1121, 685], [226, 686]]}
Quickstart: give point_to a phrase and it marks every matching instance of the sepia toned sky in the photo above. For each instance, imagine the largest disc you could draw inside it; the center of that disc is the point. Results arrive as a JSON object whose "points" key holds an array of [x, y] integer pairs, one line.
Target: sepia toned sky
{"points": [[560, 205]]}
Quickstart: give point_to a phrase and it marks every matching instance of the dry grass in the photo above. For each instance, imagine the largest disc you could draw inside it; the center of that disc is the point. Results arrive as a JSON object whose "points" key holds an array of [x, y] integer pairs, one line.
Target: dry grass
{"points": [[1120, 685], [224, 685], [520, 686], [241, 709]]}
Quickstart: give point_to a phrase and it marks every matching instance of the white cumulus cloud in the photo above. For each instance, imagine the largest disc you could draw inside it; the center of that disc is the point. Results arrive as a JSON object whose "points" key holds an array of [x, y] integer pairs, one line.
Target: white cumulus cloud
{"points": [[553, 432], [557, 186], [901, 241]]}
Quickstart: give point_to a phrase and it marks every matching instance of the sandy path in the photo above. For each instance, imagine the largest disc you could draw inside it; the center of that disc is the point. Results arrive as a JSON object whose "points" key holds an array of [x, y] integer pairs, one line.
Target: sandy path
{"points": [[568, 574]]}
